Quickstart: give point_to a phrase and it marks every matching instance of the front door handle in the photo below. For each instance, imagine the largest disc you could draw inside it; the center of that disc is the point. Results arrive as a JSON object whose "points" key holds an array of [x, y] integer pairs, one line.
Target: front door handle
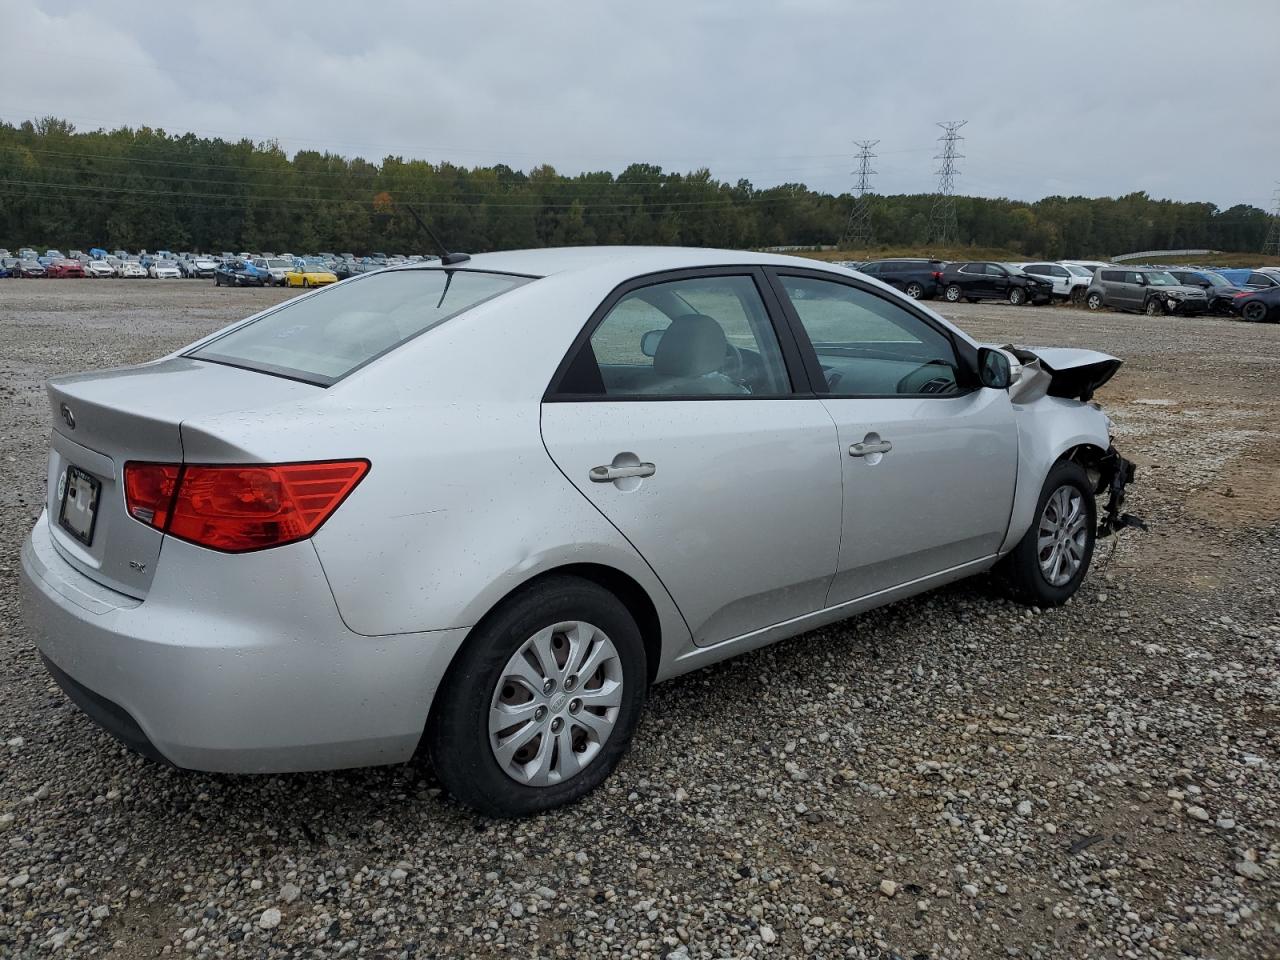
{"points": [[608, 474], [865, 448]]}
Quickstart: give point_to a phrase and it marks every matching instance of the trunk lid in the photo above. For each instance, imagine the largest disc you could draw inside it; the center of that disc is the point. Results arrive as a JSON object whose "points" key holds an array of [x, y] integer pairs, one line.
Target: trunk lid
{"points": [[104, 419]]}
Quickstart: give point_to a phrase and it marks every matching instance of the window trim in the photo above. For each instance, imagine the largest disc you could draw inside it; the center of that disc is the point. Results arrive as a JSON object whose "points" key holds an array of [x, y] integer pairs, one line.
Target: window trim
{"points": [[792, 358], [966, 354]]}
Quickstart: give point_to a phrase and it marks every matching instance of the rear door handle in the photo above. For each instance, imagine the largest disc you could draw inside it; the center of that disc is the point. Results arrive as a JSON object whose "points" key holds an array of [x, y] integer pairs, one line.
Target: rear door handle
{"points": [[608, 474], [864, 448]]}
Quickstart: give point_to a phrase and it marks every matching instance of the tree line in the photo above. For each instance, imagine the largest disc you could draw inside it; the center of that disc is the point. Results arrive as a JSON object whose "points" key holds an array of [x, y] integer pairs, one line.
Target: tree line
{"points": [[146, 189]]}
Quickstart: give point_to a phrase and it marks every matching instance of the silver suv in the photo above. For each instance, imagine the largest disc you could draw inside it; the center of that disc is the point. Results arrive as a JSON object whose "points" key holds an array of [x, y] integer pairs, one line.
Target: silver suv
{"points": [[1152, 292]]}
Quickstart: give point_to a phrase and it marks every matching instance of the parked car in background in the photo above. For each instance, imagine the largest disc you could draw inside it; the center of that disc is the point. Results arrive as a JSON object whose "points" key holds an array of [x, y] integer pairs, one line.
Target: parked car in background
{"points": [[1251, 279], [345, 268], [918, 278], [7, 265], [274, 267], [28, 268], [131, 268], [26, 253], [51, 257], [1257, 306], [310, 275], [198, 266], [974, 280], [239, 273], [1069, 280], [64, 268], [98, 268], [164, 270], [1143, 290], [1215, 286]]}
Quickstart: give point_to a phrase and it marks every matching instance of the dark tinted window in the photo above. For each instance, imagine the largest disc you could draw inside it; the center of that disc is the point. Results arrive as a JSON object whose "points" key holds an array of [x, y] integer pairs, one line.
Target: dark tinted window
{"points": [[1113, 276], [870, 269]]}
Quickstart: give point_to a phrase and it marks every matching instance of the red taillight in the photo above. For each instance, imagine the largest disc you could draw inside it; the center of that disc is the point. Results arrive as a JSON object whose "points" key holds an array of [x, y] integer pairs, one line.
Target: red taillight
{"points": [[149, 490], [243, 507], [937, 274]]}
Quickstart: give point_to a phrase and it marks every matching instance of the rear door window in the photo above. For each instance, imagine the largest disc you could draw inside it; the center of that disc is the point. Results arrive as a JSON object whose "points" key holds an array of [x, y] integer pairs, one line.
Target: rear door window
{"points": [[322, 338], [699, 337]]}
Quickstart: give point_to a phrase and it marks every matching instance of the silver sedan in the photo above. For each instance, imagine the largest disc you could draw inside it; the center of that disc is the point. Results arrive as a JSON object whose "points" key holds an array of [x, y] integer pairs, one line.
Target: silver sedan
{"points": [[478, 507]]}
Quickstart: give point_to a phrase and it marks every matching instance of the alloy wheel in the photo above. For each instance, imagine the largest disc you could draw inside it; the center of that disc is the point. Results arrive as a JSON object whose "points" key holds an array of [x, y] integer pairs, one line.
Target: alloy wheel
{"points": [[555, 704], [1063, 535], [914, 291]]}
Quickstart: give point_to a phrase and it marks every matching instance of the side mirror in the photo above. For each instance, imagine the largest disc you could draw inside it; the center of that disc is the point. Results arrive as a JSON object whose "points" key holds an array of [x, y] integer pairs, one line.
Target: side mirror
{"points": [[994, 368], [649, 342]]}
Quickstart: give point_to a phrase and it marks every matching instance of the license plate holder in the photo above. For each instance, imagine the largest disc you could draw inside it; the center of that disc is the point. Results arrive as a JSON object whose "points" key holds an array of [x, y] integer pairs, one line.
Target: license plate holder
{"points": [[78, 514]]}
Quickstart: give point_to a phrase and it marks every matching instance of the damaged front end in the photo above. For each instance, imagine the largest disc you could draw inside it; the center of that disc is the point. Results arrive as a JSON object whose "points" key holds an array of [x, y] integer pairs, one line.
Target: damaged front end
{"points": [[1059, 372], [1114, 474], [1075, 374]]}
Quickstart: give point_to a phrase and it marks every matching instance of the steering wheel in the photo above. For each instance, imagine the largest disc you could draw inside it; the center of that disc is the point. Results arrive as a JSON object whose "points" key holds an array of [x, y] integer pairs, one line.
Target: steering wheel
{"points": [[937, 381], [734, 366]]}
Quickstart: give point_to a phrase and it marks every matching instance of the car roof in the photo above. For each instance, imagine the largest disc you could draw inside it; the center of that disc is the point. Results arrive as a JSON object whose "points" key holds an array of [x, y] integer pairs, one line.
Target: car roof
{"points": [[624, 260]]}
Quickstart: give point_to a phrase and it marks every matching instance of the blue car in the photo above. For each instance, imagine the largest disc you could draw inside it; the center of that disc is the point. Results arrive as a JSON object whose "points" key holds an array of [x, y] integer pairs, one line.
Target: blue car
{"points": [[240, 273]]}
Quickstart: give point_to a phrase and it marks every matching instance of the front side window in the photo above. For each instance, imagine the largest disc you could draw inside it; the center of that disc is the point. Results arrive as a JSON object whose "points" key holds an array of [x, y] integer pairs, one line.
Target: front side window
{"points": [[995, 270], [696, 337], [869, 346], [324, 337]]}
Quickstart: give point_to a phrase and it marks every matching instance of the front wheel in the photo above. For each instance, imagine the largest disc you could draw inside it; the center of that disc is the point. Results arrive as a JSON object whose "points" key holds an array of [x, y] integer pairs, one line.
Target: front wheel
{"points": [[1154, 308], [952, 294], [1017, 296], [914, 290], [542, 701], [1051, 560]]}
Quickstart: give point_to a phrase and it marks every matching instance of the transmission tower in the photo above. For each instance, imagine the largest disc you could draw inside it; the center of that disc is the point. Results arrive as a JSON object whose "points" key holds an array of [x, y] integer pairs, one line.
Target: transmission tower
{"points": [[1272, 244], [943, 229], [857, 232]]}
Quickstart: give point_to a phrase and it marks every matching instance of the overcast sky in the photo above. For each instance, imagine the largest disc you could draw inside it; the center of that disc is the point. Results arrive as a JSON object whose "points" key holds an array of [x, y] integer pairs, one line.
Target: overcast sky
{"points": [[1095, 97]]}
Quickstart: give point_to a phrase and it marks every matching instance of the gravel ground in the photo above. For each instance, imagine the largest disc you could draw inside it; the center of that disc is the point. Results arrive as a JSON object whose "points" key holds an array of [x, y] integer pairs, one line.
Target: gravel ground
{"points": [[952, 776]]}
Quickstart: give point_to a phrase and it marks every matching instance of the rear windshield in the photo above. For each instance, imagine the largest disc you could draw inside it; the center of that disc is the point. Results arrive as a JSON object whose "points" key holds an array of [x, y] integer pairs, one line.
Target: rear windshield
{"points": [[323, 337]]}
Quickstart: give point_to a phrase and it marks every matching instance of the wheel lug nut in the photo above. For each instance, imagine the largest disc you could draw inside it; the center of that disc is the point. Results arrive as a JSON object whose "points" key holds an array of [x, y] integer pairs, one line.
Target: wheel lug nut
{"points": [[540, 714], [575, 705], [548, 686], [571, 681], [556, 724]]}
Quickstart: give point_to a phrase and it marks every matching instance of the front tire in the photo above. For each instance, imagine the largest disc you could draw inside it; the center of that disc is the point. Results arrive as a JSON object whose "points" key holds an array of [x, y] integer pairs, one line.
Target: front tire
{"points": [[1050, 561], [1153, 308], [1093, 301], [542, 701], [1017, 296], [952, 294]]}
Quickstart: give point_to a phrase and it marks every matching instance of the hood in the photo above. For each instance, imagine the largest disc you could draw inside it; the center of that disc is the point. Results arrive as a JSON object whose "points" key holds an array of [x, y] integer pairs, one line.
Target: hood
{"points": [[1065, 372]]}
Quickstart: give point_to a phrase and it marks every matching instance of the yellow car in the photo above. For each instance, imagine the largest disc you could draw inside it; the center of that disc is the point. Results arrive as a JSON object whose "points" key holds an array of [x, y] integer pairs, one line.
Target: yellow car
{"points": [[309, 275]]}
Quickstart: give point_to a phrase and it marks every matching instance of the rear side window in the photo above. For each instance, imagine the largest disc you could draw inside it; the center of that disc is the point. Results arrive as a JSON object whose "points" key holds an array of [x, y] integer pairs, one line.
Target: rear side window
{"points": [[703, 337], [1111, 276], [322, 338]]}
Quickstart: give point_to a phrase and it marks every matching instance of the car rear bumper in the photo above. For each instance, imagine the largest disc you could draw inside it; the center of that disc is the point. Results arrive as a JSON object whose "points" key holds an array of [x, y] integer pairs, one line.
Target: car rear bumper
{"points": [[231, 666]]}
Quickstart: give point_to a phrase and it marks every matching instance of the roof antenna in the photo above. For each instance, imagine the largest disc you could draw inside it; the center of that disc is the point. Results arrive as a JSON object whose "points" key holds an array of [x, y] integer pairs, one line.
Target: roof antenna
{"points": [[446, 257]]}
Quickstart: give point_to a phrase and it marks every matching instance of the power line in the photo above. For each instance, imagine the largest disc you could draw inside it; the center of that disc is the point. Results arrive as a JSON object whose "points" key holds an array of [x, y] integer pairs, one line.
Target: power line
{"points": [[943, 228], [1272, 244], [857, 232]]}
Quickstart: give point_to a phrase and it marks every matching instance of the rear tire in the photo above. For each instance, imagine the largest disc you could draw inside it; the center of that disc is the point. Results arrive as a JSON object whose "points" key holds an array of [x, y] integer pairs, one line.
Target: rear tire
{"points": [[1051, 560], [914, 290], [1254, 312], [952, 294], [479, 684]]}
